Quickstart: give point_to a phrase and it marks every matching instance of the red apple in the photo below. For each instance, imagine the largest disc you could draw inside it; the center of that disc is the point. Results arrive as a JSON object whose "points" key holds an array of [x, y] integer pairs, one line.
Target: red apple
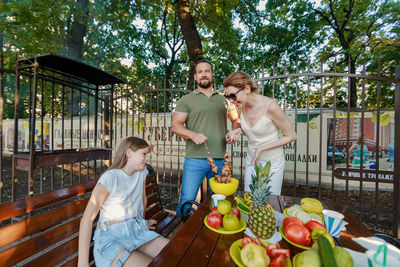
{"points": [[235, 211], [214, 220], [310, 225], [214, 210]]}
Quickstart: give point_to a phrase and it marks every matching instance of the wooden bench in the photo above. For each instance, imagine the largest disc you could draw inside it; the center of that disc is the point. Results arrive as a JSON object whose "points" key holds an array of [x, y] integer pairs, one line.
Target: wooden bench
{"points": [[46, 230]]}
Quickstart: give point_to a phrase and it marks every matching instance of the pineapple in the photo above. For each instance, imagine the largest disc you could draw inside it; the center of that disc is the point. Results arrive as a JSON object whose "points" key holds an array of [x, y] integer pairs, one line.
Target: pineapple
{"points": [[261, 216]]}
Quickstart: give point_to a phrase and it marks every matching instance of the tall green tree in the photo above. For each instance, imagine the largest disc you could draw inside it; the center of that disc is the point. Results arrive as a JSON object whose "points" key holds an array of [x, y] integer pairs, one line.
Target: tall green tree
{"points": [[350, 30]]}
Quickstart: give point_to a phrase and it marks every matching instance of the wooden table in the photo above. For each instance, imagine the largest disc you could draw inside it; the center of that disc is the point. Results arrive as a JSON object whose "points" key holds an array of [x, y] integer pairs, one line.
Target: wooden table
{"points": [[196, 245]]}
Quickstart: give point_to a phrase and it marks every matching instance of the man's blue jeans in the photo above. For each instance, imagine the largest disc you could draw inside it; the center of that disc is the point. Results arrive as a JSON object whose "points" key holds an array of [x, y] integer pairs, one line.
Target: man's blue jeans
{"points": [[194, 171]]}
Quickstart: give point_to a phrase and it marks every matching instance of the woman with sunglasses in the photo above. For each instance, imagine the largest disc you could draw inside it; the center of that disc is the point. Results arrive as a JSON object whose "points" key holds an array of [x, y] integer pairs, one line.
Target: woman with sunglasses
{"points": [[261, 119]]}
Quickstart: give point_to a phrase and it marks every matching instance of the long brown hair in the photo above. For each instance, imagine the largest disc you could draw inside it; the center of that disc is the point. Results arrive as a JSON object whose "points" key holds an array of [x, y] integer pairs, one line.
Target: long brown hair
{"points": [[134, 143], [239, 80]]}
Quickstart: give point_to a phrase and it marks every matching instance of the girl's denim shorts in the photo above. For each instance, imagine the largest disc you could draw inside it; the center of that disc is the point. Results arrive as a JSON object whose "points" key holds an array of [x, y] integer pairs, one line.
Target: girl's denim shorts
{"points": [[129, 234]]}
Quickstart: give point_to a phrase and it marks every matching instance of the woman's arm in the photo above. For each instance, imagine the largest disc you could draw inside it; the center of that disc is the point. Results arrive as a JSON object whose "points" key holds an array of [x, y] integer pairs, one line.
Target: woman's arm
{"points": [[280, 120], [234, 117], [96, 200]]}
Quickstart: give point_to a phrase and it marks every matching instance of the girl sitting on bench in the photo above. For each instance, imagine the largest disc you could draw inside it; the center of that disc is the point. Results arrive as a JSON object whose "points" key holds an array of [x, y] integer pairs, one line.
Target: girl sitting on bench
{"points": [[122, 236]]}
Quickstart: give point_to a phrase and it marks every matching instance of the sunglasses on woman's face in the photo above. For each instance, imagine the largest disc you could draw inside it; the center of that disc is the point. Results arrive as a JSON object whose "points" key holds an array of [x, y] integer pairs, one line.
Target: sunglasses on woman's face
{"points": [[233, 96]]}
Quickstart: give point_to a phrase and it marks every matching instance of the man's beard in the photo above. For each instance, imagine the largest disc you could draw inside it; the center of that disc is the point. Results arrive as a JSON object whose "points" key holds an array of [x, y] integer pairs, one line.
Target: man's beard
{"points": [[206, 85]]}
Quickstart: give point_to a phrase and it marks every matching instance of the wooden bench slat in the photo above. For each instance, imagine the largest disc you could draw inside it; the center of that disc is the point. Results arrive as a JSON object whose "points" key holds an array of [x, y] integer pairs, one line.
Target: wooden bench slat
{"points": [[150, 179], [162, 223], [57, 254], [151, 189], [12, 209], [152, 211], [73, 262], [13, 232], [171, 226], [152, 199], [32, 246]]}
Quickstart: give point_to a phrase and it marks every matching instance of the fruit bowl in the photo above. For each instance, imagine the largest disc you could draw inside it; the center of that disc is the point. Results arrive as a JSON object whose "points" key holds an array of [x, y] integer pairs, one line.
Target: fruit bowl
{"points": [[221, 230], [235, 249], [290, 242], [285, 212], [224, 189]]}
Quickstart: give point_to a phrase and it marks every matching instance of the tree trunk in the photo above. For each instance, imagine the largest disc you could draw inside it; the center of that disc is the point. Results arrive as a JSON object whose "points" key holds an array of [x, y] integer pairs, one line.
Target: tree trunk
{"points": [[190, 34], [353, 82], [78, 30]]}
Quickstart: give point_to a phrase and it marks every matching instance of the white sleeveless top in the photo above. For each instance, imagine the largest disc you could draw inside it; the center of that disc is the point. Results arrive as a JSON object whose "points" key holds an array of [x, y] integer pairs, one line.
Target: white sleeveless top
{"points": [[126, 195], [263, 132]]}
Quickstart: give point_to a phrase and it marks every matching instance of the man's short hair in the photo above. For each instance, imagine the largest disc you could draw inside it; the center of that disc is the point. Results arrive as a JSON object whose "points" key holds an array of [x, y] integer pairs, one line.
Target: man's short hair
{"points": [[203, 61]]}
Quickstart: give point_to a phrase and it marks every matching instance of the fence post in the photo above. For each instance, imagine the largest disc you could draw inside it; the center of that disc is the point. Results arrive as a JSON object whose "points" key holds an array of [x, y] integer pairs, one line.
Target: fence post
{"points": [[396, 198]]}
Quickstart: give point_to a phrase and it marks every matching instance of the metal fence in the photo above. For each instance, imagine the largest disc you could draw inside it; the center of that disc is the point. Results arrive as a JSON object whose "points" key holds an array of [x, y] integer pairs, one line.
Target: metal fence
{"points": [[319, 164]]}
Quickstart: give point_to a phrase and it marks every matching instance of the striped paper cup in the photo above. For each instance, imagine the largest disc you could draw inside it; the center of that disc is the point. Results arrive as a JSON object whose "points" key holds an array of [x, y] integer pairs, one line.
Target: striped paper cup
{"points": [[333, 222]]}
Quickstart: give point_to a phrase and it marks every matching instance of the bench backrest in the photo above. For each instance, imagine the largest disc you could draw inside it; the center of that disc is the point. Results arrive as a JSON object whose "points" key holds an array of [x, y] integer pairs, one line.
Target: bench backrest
{"points": [[51, 236], [23, 239]]}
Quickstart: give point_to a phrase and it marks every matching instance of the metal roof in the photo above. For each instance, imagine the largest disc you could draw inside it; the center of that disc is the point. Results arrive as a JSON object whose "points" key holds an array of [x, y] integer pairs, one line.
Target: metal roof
{"points": [[72, 67]]}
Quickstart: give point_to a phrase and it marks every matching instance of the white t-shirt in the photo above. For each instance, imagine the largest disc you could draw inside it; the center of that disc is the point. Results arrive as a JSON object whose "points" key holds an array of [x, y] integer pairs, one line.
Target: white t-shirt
{"points": [[126, 195]]}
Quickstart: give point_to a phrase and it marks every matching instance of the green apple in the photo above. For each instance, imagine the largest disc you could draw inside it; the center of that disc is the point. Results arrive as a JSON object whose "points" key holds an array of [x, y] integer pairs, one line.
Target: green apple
{"points": [[254, 255], [308, 258], [342, 257], [224, 206], [230, 222]]}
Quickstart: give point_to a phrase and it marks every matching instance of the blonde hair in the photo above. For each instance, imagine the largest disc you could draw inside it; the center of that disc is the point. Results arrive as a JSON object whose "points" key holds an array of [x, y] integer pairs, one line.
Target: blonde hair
{"points": [[239, 80], [133, 143]]}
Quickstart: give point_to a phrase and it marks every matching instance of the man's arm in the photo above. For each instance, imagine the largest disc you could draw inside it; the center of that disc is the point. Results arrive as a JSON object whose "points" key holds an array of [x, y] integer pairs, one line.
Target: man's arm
{"points": [[179, 128]]}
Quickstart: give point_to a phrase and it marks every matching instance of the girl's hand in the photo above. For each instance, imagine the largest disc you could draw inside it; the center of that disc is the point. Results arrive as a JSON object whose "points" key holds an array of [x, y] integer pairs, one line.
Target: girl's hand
{"points": [[151, 224], [231, 136]]}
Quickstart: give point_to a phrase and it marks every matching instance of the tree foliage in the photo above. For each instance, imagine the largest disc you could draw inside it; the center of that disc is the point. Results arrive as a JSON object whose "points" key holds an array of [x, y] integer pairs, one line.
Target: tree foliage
{"points": [[273, 36]]}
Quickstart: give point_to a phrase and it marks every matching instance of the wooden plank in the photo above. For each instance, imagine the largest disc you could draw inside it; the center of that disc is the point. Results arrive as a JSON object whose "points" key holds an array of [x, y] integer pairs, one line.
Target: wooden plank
{"points": [[171, 226], [13, 232], [151, 189], [12, 209], [199, 252], [150, 179], [164, 222], [152, 199], [73, 262], [32, 246], [355, 228], [57, 254], [178, 245], [57, 157], [160, 215], [221, 256], [152, 211]]}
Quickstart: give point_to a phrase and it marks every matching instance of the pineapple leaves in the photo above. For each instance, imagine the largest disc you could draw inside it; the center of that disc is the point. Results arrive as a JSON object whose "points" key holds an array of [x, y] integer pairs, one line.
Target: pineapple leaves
{"points": [[259, 186]]}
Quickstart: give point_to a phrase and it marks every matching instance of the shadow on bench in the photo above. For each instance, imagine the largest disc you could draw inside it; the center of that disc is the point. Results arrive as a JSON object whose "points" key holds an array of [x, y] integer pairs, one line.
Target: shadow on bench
{"points": [[47, 230]]}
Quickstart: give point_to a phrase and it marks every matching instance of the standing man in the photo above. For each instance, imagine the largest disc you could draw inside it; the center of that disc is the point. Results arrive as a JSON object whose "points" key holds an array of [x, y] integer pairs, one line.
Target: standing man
{"points": [[201, 117]]}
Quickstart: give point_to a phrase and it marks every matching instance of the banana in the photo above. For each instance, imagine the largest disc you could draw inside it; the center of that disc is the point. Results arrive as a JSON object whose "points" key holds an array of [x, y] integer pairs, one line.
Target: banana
{"points": [[247, 198], [311, 205]]}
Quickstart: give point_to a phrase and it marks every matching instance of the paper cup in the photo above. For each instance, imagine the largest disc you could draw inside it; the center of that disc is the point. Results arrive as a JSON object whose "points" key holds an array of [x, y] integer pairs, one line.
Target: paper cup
{"points": [[215, 198], [333, 222]]}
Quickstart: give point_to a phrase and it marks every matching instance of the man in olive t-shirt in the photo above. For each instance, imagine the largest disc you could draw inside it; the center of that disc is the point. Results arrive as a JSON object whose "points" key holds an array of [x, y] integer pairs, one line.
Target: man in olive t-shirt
{"points": [[201, 117]]}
